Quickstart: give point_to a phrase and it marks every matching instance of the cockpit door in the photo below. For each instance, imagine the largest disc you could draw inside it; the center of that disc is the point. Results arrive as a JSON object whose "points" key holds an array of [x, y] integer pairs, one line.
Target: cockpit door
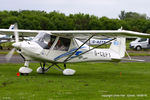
{"points": [[60, 48]]}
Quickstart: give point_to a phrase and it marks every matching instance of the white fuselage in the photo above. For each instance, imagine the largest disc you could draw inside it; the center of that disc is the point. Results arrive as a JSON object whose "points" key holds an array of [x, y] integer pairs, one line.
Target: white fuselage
{"points": [[47, 48], [32, 51]]}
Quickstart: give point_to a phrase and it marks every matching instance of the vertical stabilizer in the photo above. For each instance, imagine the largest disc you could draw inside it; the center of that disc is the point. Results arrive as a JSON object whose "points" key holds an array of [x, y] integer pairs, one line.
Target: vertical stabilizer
{"points": [[13, 26], [119, 46]]}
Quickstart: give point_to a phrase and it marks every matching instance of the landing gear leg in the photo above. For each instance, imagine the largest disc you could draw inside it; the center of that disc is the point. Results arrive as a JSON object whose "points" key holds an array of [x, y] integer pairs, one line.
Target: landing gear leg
{"points": [[65, 71], [25, 70], [26, 64], [42, 68], [1, 47], [64, 66]]}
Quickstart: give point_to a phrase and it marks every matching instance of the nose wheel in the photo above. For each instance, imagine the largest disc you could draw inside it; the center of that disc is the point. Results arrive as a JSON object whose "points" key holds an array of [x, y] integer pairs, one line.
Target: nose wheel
{"points": [[24, 74], [25, 70]]}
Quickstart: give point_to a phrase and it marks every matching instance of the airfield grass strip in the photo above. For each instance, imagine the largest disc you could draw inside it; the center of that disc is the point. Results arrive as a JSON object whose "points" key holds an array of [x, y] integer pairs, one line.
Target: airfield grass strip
{"points": [[92, 81]]}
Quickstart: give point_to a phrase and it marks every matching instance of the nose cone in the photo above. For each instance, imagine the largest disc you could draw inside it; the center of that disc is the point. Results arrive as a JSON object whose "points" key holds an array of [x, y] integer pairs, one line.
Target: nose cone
{"points": [[16, 45]]}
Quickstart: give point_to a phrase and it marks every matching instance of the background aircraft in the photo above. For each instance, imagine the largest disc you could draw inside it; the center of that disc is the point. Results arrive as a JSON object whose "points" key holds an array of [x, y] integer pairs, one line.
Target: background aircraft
{"points": [[97, 41], [11, 38], [4, 39]]}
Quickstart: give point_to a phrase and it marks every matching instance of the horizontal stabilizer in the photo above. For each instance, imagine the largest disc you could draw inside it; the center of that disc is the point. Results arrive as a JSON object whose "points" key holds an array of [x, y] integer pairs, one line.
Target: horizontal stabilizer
{"points": [[133, 60]]}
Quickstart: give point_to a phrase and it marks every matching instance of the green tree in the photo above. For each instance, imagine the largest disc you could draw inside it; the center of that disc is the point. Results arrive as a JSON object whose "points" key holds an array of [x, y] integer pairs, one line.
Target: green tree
{"points": [[131, 15], [81, 21]]}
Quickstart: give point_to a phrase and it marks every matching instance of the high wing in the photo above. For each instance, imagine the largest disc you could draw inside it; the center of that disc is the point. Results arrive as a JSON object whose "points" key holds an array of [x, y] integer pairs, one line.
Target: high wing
{"points": [[10, 31], [83, 33], [100, 33]]}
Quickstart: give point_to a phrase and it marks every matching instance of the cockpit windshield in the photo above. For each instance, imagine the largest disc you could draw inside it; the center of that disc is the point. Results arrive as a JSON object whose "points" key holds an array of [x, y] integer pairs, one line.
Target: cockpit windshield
{"points": [[44, 40]]}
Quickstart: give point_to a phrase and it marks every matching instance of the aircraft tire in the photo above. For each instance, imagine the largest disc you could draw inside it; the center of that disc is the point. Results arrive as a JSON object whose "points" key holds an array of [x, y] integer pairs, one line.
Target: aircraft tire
{"points": [[24, 74], [40, 70], [1, 47]]}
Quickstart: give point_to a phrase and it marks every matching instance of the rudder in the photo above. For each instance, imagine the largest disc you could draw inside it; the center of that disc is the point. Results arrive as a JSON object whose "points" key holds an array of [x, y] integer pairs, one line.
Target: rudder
{"points": [[119, 46]]}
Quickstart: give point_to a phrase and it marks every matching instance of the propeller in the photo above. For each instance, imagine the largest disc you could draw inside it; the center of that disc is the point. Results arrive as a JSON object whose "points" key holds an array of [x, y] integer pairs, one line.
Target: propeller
{"points": [[10, 54], [16, 32]]}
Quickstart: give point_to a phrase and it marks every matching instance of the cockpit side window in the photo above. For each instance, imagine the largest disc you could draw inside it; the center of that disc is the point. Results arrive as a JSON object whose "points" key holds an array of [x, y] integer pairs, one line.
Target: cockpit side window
{"points": [[44, 40], [50, 42], [62, 44]]}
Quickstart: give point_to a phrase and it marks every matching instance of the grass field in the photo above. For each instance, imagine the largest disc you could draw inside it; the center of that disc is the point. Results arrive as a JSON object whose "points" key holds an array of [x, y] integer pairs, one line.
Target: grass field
{"points": [[92, 81]]}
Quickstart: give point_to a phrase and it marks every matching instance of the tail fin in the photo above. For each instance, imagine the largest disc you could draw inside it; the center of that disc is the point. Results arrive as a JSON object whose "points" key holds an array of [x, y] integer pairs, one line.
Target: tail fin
{"points": [[13, 26], [119, 46]]}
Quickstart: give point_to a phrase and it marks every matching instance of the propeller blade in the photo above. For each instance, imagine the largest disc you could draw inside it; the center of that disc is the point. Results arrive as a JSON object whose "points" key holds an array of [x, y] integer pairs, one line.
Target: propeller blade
{"points": [[16, 36], [10, 54], [16, 32]]}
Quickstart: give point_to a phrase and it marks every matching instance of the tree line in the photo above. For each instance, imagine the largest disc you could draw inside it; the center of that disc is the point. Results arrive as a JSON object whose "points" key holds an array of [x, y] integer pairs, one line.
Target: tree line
{"points": [[41, 20]]}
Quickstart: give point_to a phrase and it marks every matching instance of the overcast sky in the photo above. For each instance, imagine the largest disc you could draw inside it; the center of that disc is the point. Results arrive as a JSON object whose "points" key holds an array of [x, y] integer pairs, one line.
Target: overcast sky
{"points": [[109, 8]]}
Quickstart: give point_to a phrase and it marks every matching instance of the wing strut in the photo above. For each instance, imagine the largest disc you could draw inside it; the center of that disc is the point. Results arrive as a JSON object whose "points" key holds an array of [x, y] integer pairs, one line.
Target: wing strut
{"points": [[69, 58], [78, 49], [128, 55], [130, 59]]}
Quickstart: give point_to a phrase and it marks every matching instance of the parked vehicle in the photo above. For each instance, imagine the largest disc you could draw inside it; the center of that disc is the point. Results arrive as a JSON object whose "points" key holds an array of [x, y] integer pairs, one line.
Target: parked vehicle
{"points": [[140, 43]]}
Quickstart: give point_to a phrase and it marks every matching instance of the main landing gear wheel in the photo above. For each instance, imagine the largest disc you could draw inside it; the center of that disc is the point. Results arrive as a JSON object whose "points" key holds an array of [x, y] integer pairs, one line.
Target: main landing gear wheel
{"points": [[41, 70], [69, 72], [66, 71]]}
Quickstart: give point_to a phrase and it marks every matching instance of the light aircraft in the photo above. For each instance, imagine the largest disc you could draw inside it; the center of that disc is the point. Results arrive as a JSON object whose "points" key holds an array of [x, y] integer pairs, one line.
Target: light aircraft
{"points": [[6, 38], [53, 47], [10, 38]]}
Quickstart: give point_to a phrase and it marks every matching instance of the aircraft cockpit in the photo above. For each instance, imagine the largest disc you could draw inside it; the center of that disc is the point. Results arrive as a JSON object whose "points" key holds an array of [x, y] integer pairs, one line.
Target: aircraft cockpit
{"points": [[46, 41]]}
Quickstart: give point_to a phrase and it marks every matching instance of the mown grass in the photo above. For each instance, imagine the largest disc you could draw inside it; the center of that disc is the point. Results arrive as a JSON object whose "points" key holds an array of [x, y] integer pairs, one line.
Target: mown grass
{"points": [[92, 81], [3, 52]]}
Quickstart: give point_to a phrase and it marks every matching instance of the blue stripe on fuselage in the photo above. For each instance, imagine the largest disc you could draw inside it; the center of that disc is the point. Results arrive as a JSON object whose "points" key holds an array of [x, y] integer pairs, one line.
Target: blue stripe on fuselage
{"points": [[68, 53]]}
